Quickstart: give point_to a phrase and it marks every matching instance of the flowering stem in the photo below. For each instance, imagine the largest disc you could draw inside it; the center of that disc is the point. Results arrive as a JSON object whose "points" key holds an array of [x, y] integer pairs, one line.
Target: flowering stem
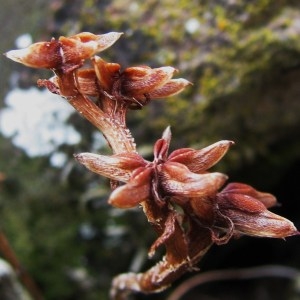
{"points": [[174, 264]]}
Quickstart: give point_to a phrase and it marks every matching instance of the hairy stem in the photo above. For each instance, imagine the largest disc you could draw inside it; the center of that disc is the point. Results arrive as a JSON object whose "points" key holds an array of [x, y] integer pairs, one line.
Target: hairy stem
{"points": [[112, 126]]}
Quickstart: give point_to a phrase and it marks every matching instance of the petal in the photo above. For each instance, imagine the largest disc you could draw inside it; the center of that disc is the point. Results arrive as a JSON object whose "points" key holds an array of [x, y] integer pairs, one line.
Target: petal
{"points": [[86, 82], [77, 48], [38, 55], [264, 224], [106, 72], [171, 88], [200, 160], [240, 188], [246, 208], [135, 191], [66, 53], [178, 180], [167, 135], [117, 167], [102, 41], [203, 208], [88, 44], [138, 72], [142, 80], [161, 146], [240, 202]]}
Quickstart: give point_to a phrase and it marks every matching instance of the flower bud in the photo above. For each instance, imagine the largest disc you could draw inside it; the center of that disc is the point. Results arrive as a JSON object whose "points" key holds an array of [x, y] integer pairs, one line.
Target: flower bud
{"points": [[66, 53], [250, 215]]}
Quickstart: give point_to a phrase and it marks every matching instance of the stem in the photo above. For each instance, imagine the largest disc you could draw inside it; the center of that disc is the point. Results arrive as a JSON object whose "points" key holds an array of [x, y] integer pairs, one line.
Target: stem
{"points": [[117, 134], [109, 118], [112, 126], [154, 280], [25, 278], [177, 261], [248, 273]]}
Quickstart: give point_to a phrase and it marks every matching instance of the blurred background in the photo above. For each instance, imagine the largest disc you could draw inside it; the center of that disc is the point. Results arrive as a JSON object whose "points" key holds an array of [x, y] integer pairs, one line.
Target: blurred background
{"points": [[243, 58]]}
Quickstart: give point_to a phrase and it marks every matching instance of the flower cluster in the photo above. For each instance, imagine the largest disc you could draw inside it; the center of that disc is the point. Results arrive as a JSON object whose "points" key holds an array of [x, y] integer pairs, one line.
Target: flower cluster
{"points": [[182, 178], [133, 86], [188, 206]]}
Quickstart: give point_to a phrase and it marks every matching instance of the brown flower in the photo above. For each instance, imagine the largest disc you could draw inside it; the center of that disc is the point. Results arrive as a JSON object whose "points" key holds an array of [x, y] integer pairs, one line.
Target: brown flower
{"points": [[132, 88], [237, 210], [246, 208], [64, 54], [135, 86], [181, 178], [182, 174]]}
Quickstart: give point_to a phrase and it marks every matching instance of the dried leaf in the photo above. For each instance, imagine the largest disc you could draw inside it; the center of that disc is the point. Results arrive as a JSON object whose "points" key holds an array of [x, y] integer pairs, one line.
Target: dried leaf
{"points": [[169, 230]]}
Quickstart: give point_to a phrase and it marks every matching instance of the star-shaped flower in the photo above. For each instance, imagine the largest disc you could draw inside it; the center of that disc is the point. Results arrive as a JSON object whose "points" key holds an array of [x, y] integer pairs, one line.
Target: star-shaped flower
{"points": [[182, 178], [64, 54], [181, 174], [132, 87]]}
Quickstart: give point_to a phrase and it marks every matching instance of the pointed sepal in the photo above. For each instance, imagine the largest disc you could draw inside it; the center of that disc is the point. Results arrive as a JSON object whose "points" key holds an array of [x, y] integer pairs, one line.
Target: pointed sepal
{"points": [[117, 167], [249, 214], [134, 192], [201, 160], [178, 180]]}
